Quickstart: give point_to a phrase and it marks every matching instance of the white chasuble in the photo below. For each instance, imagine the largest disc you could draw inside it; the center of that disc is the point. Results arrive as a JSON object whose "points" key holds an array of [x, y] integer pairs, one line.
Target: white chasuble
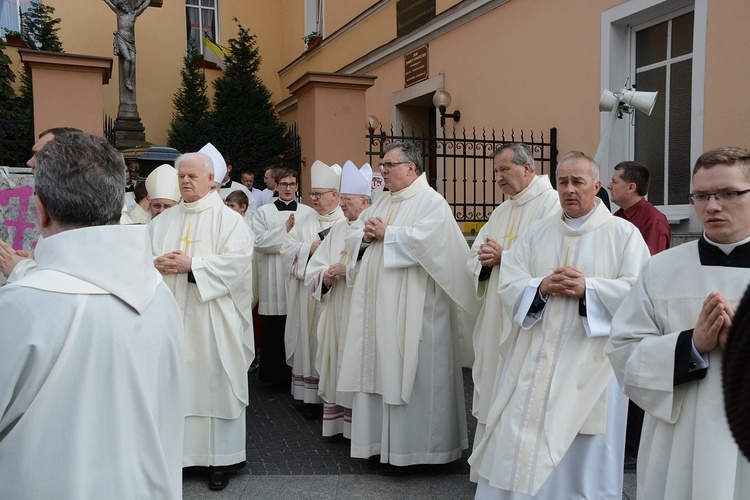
{"points": [[687, 449], [407, 294], [92, 375], [300, 337], [494, 330], [217, 312], [554, 385]]}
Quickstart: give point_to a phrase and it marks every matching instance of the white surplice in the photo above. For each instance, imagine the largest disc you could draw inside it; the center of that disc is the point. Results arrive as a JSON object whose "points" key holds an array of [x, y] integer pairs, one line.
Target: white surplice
{"points": [[334, 316], [269, 226], [494, 326], [218, 325], [687, 449], [92, 376], [300, 336], [556, 387], [401, 358]]}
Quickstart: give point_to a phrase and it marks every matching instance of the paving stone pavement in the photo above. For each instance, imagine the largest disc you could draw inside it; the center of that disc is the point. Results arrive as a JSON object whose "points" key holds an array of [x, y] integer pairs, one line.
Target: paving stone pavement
{"points": [[288, 458]]}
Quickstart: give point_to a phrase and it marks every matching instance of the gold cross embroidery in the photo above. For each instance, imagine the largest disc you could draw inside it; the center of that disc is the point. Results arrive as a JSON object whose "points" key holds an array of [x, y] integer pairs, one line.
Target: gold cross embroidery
{"points": [[345, 255], [511, 235], [187, 239]]}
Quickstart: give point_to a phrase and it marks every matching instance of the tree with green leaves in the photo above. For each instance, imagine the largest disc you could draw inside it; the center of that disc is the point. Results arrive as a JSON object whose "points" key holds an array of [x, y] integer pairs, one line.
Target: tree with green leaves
{"points": [[190, 122], [246, 127], [12, 154], [39, 32]]}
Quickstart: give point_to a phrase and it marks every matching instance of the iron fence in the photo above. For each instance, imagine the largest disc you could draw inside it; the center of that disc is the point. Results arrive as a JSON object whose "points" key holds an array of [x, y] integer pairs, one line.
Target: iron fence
{"points": [[459, 166]]}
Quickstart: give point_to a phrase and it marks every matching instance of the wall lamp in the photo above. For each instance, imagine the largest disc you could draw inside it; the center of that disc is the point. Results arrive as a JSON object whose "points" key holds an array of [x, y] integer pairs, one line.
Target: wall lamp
{"points": [[442, 99], [372, 124], [625, 101]]}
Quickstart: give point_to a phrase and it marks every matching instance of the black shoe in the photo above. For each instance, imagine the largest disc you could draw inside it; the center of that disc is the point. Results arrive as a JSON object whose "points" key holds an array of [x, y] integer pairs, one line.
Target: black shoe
{"points": [[337, 438], [218, 481], [631, 464], [312, 411], [373, 463], [400, 471]]}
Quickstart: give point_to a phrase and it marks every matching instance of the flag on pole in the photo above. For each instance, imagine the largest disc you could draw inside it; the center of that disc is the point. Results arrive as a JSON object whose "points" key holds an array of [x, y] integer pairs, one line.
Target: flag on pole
{"points": [[213, 52]]}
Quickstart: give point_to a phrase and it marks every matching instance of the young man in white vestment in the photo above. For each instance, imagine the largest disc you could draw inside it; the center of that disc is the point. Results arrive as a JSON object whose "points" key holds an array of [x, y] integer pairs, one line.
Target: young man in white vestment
{"points": [[204, 250], [300, 244], [271, 224], [557, 426], [92, 377], [401, 359], [668, 341], [530, 198], [326, 278]]}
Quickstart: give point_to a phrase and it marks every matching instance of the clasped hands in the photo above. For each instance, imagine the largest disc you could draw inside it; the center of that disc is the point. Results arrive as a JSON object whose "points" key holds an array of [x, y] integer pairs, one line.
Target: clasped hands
{"points": [[714, 322], [333, 272], [374, 229], [564, 281], [490, 253], [176, 262]]}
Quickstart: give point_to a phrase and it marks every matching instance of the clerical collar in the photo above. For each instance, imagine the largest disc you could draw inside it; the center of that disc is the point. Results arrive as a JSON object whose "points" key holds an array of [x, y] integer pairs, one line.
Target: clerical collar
{"points": [[284, 206], [724, 255], [577, 222], [227, 185]]}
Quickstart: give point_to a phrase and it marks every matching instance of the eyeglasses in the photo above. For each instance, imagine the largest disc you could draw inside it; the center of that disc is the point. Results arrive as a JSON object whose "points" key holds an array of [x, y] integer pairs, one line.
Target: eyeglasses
{"points": [[287, 185], [723, 197], [390, 164], [316, 196]]}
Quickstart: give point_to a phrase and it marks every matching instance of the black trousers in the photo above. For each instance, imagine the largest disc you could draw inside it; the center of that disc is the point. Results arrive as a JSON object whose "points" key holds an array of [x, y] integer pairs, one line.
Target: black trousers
{"points": [[273, 369]]}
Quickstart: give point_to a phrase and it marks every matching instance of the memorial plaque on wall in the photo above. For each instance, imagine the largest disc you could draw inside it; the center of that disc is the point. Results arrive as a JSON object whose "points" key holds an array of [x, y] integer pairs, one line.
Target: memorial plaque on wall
{"points": [[411, 14], [416, 65]]}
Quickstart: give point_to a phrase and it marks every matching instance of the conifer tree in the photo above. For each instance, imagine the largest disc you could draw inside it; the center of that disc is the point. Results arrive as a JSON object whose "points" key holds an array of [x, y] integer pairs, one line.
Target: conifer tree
{"points": [[10, 155], [190, 122], [245, 125]]}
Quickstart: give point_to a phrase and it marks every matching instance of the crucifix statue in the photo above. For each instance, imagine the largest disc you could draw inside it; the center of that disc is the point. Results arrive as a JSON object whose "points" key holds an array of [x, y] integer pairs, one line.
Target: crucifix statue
{"points": [[128, 128]]}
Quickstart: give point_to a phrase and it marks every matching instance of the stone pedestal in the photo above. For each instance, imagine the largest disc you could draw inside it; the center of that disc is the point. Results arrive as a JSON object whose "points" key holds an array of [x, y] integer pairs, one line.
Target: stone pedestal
{"points": [[67, 89], [330, 119]]}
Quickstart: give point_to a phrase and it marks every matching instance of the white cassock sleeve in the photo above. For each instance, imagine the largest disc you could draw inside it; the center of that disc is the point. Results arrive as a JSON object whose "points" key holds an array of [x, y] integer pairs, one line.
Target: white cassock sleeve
{"points": [[395, 252]]}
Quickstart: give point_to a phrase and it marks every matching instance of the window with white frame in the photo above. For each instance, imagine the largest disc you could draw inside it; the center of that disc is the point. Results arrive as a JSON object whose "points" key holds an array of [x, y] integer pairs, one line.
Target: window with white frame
{"points": [[201, 16], [10, 14], [314, 16], [662, 61]]}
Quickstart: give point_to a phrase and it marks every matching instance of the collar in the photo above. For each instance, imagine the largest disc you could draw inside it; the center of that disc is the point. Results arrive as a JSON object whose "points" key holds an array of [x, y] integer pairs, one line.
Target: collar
{"points": [[284, 206], [227, 185], [629, 213], [713, 254]]}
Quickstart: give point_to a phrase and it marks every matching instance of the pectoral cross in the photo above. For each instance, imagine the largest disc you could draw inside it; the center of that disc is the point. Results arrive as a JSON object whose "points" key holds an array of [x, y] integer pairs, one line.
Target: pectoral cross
{"points": [[345, 255], [511, 235], [187, 239]]}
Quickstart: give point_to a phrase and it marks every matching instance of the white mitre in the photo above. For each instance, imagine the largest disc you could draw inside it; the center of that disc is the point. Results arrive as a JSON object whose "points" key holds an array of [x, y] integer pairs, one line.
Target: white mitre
{"points": [[356, 180], [323, 176], [162, 183], [220, 166]]}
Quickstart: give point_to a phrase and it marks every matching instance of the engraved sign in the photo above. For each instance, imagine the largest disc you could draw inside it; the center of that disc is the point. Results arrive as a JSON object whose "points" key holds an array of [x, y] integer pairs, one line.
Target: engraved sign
{"points": [[416, 67], [411, 14]]}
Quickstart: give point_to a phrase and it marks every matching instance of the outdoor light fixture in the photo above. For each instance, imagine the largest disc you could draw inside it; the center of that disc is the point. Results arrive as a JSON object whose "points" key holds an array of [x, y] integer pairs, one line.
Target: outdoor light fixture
{"points": [[442, 100], [625, 101], [372, 124]]}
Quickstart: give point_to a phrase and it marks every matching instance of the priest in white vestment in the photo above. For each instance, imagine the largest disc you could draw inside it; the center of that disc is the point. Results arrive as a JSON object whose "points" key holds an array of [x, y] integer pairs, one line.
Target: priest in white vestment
{"points": [[271, 224], [668, 342], [531, 198], [92, 376], [401, 359], [557, 426], [300, 244], [204, 250], [326, 279]]}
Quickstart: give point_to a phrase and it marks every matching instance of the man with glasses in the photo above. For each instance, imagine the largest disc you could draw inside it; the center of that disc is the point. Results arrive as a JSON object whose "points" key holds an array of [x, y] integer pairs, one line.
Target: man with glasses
{"points": [[326, 278], [271, 224], [300, 244], [163, 189], [401, 360], [668, 338]]}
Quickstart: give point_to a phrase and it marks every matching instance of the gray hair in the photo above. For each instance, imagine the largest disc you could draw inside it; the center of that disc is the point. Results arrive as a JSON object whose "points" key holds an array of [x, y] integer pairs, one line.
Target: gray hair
{"points": [[578, 155], [208, 164], [521, 153], [409, 151], [80, 178]]}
